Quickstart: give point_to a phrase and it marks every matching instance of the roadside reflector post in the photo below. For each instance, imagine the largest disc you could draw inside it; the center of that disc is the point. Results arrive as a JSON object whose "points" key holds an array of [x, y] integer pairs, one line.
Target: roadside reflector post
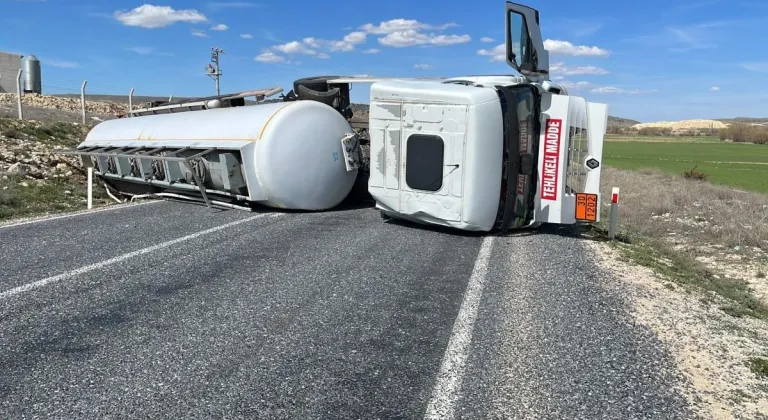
{"points": [[613, 218], [90, 187], [82, 99], [18, 93]]}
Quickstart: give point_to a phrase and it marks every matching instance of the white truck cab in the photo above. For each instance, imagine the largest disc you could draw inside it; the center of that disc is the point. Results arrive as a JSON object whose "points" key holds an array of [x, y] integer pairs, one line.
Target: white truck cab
{"points": [[487, 153]]}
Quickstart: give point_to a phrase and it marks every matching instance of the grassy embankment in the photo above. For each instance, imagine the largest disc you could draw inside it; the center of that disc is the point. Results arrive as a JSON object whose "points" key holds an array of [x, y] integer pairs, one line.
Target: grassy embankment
{"points": [[695, 227]]}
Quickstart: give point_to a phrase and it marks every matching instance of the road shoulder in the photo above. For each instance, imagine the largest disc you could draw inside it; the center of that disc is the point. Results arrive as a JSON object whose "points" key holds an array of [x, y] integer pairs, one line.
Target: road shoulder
{"points": [[713, 350]]}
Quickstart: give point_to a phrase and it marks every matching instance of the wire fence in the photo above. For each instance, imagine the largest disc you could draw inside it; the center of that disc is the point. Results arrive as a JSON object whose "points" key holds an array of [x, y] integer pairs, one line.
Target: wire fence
{"points": [[77, 99]]}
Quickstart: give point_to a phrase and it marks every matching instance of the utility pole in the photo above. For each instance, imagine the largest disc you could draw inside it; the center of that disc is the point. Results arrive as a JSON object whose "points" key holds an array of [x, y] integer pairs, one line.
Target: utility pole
{"points": [[213, 70]]}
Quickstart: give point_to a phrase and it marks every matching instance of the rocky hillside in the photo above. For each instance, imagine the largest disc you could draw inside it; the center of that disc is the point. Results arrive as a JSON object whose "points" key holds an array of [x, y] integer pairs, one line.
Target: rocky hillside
{"points": [[33, 178]]}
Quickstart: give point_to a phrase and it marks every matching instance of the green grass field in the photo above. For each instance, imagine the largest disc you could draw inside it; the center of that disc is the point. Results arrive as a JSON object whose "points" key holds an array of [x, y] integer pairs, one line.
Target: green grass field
{"points": [[741, 166], [664, 139]]}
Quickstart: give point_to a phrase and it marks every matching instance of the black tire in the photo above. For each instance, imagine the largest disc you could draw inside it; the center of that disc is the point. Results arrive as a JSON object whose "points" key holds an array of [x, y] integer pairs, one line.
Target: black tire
{"points": [[316, 83]]}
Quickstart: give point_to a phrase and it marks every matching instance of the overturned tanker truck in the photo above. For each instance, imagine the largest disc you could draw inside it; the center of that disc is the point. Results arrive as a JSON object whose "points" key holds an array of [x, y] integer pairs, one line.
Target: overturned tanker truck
{"points": [[478, 153]]}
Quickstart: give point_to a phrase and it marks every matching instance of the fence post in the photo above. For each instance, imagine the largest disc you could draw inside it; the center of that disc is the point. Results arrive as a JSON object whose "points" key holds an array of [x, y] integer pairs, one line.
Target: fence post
{"points": [[613, 218], [82, 98], [130, 102], [18, 93], [90, 187]]}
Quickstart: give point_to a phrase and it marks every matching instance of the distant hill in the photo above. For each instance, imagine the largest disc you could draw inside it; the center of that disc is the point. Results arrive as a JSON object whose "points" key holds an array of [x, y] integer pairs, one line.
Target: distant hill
{"points": [[745, 120], [621, 122]]}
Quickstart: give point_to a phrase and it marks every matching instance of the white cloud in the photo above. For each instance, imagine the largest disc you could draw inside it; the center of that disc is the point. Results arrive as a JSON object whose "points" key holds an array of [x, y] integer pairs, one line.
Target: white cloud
{"points": [[146, 51], [422, 66], [412, 37], [759, 66], [323, 56], [312, 42], [409, 32], [150, 16], [270, 57], [294, 47], [311, 45], [355, 38], [246, 36], [497, 53], [372, 51], [341, 46], [200, 34], [141, 50], [487, 39], [349, 42], [561, 68], [715, 88], [219, 27], [557, 47], [400, 25], [62, 64], [231, 5], [619, 91], [576, 85]]}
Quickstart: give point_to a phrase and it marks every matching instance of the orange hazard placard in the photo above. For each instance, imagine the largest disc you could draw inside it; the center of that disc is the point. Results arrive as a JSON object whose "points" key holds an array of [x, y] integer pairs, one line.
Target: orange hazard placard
{"points": [[586, 207]]}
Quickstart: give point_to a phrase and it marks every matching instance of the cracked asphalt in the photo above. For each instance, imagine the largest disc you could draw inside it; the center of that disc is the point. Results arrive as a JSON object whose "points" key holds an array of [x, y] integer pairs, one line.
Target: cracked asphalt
{"points": [[310, 315]]}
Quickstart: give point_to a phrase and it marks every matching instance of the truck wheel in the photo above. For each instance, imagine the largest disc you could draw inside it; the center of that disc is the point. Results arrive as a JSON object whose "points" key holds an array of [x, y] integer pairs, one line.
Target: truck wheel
{"points": [[317, 83]]}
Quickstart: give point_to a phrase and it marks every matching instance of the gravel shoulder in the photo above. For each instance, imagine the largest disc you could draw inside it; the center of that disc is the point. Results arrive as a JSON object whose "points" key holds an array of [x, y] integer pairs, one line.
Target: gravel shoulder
{"points": [[711, 348]]}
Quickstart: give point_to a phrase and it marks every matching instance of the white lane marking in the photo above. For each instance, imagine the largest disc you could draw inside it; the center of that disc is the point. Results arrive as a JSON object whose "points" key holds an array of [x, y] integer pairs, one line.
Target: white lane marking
{"points": [[444, 393], [78, 213], [119, 258]]}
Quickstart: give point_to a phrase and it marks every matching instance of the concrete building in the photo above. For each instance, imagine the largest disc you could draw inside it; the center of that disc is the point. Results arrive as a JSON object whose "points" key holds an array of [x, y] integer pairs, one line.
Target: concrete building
{"points": [[9, 68]]}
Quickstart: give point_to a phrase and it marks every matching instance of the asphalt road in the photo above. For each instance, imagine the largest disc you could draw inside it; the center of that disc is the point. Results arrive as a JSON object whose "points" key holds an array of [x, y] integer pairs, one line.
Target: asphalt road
{"points": [[171, 310]]}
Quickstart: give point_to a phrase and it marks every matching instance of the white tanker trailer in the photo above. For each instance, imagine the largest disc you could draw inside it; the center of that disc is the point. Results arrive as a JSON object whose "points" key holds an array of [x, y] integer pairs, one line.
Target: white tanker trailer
{"points": [[291, 155], [476, 153]]}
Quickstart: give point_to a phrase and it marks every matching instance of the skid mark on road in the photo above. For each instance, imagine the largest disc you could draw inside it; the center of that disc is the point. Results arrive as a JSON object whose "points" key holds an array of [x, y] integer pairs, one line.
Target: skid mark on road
{"points": [[119, 258], [445, 391]]}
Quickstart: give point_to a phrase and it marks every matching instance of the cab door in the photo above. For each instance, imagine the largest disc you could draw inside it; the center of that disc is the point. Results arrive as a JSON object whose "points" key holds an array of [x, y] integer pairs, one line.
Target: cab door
{"points": [[525, 48], [433, 160]]}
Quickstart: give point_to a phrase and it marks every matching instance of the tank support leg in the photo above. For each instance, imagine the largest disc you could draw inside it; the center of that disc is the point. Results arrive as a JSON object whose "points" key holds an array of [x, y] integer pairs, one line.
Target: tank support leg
{"points": [[198, 181]]}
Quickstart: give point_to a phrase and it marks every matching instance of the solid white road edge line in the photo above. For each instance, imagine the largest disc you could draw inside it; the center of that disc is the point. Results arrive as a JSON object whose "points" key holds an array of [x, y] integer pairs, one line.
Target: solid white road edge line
{"points": [[119, 258], [444, 393], [77, 213]]}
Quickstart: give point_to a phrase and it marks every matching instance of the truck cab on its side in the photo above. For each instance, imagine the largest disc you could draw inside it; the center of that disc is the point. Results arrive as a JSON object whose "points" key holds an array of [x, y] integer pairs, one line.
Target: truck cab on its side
{"points": [[488, 153]]}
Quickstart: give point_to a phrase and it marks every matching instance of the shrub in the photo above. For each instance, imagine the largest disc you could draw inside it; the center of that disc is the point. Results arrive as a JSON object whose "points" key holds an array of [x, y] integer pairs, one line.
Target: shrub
{"points": [[695, 174], [745, 133]]}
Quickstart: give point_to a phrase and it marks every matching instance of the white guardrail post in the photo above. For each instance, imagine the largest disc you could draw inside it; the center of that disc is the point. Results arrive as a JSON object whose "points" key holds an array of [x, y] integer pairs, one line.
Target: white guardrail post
{"points": [[90, 187], [18, 93], [613, 218], [82, 99], [130, 102]]}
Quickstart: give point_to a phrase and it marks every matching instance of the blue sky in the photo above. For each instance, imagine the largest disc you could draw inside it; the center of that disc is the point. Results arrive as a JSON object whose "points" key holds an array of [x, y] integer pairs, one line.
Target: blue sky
{"points": [[651, 60]]}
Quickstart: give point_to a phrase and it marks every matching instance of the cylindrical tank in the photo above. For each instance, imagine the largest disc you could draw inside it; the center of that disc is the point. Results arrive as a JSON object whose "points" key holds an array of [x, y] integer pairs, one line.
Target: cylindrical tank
{"points": [[292, 149], [32, 80]]}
